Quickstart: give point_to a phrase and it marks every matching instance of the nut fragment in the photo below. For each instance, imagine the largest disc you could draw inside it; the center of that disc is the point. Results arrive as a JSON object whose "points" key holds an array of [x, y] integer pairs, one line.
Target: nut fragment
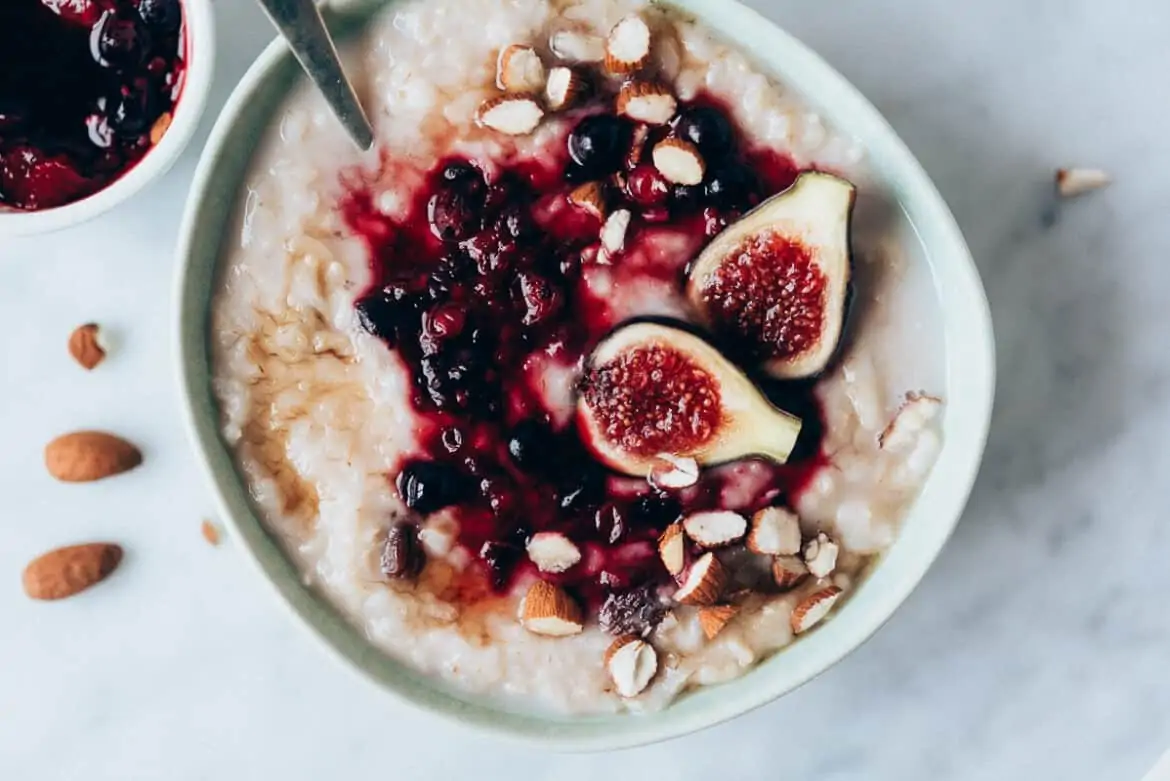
{"points": [[160, 128], [775, 532], [84, 456], [627, 48], [820, 554], [679, 161], [553, 552], [637, 146], [915, 414], [646, 102], [591, 198], [86, 345], [519, 69], [577, 46], [788, 571], [564, 88], [512, 115], [613, 236], [704, 582], [632, 664], [210, 532], [715, 528], [713, 619], [66, 571], [671, 471], [1071, 182], [810, 610], [403, 557], [547, 610], [672, 548]]}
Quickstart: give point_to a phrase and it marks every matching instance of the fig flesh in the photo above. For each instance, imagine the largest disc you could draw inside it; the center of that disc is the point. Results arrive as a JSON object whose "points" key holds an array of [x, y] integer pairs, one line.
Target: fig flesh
{"points": [[777, 280], [652, 390]]}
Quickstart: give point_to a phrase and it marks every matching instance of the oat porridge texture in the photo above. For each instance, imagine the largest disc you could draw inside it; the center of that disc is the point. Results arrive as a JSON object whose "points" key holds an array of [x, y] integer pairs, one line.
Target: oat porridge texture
{"points": [[321, 414]]}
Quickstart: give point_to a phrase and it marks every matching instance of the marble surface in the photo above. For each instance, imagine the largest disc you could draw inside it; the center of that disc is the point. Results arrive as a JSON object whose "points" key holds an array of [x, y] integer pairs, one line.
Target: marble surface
{"points": [[1035, 649]]}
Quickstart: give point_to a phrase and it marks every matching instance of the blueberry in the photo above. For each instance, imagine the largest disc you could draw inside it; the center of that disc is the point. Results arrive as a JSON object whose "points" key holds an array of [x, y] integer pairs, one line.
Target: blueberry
{"points": [[501, 559], [532, 446], [163, 16], [708, 129], [610, 523], [653, 512], [387, 313], [455, 210], [427, 486], [583, 489], [731, 186], [598, 144], [120, 41], [538, 298], [132, 110]]}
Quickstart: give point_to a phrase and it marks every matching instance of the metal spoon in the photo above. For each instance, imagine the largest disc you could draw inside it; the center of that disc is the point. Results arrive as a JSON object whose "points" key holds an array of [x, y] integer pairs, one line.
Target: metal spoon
{"points": [[300, 23]]}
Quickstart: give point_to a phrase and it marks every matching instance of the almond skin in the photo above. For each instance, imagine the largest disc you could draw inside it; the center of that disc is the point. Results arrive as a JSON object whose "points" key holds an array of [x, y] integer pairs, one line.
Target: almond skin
{"points": [[66, 571], [549, 611], [812, 609], [703, 583], [85, 346], [85, 456], [712, 619], [672, 548]]}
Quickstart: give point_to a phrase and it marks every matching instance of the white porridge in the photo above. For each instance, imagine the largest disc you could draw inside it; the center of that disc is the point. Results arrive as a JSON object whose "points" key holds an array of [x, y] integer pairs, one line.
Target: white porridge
{"points": [[406, 345]]}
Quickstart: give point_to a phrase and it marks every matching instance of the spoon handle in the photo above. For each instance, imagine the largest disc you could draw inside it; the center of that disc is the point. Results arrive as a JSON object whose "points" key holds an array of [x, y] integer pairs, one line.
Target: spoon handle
{"points": [[300, 23]]}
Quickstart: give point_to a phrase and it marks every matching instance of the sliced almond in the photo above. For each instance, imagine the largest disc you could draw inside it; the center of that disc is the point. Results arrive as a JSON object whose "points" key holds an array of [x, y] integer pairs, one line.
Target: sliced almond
{"points": [[820, 554], [704, 582], [637, 146], [713, 619], [590, 197], [668, 471], [775, 532], [715, 528], [1071, 182], [577, 46], [564, 88], [788, 572], [548, 610], [915, 414], [552, 552], [812, 609], [632, 663], [160, 127], [66, 571], [627, 48], [613, 238], [512, 115], [679, 161], [85, 456], [672, 548], [87, 346], [519, 69], [210, 532], [646, 102]]}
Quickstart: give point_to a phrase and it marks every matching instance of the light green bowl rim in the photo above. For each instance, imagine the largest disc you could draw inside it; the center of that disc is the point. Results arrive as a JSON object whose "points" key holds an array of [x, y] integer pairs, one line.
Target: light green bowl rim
{"points": [[969, 347]]}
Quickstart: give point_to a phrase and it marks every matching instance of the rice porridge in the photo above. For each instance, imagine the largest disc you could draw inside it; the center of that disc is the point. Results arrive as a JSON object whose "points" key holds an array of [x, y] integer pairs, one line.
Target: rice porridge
{"points": [[603, 377]]}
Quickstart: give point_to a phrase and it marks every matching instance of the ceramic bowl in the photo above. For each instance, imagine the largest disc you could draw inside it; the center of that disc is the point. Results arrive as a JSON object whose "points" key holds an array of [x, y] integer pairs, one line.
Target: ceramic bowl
{"points": [[199, 29], [966, 332]]}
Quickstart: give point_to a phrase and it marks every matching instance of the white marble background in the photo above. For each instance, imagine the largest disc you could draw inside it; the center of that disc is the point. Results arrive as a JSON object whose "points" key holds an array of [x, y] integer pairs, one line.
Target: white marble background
{"points": [[1036, 648]]}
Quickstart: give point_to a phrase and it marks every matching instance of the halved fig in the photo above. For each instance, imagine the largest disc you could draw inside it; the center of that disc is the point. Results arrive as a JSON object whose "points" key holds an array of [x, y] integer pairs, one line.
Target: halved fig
{"points": [[778, 278], [651, 389]]}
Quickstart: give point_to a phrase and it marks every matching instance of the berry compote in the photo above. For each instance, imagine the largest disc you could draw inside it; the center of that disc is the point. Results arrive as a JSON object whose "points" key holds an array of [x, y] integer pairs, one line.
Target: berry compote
{"points": [[486, 280], [87, 87]]}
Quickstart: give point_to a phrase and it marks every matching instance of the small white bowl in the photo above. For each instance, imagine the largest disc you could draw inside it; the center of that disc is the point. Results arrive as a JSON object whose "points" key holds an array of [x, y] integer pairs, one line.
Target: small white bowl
{"points": [[199, 29]]}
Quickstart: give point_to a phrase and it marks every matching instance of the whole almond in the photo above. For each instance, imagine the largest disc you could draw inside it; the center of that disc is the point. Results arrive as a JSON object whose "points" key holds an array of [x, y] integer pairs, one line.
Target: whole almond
{"points": [[85, 456], [65, 571], [85, 345]]}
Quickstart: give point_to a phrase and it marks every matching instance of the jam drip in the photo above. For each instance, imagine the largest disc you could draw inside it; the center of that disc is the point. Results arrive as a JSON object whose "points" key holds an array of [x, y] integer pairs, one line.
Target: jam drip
{"points": [[481, 284], [82, 85]]}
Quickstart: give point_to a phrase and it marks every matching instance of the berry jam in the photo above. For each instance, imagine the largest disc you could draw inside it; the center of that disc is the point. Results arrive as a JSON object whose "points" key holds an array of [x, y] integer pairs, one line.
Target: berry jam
{"points": [[487, 279], [86, 89]]}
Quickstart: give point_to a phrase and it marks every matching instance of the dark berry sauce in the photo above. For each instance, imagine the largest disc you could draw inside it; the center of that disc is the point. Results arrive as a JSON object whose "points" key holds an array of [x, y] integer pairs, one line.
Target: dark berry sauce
{"points": [[485, 281], [86, 89]]}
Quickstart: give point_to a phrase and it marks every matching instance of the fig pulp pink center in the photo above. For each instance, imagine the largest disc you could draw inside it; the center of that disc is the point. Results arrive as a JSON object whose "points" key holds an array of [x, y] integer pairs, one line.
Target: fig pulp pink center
{"points": [[770, 293], [654, 399]]}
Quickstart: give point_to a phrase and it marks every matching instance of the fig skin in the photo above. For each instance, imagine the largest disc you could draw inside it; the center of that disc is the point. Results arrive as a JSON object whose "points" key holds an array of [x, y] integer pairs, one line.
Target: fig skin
{"points": [[807, 223], [744, 423]]}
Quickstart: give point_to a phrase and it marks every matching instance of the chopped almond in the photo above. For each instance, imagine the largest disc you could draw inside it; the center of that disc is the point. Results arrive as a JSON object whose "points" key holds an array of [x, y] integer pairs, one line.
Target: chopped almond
{"points": [[548, 610], [632, 663], [668, 471], [564, 88], [915, 414], [775, 532], [519, 69], [552, 552], [715, 528], [672, 548], [646, 102], [788, 572], [627, 49], [820, 554], [679, 161], [704, 582], [1071, 182], [590, 197], [713, 619], [577, 46], [512, 115], [637, 146], [812, 609]]}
